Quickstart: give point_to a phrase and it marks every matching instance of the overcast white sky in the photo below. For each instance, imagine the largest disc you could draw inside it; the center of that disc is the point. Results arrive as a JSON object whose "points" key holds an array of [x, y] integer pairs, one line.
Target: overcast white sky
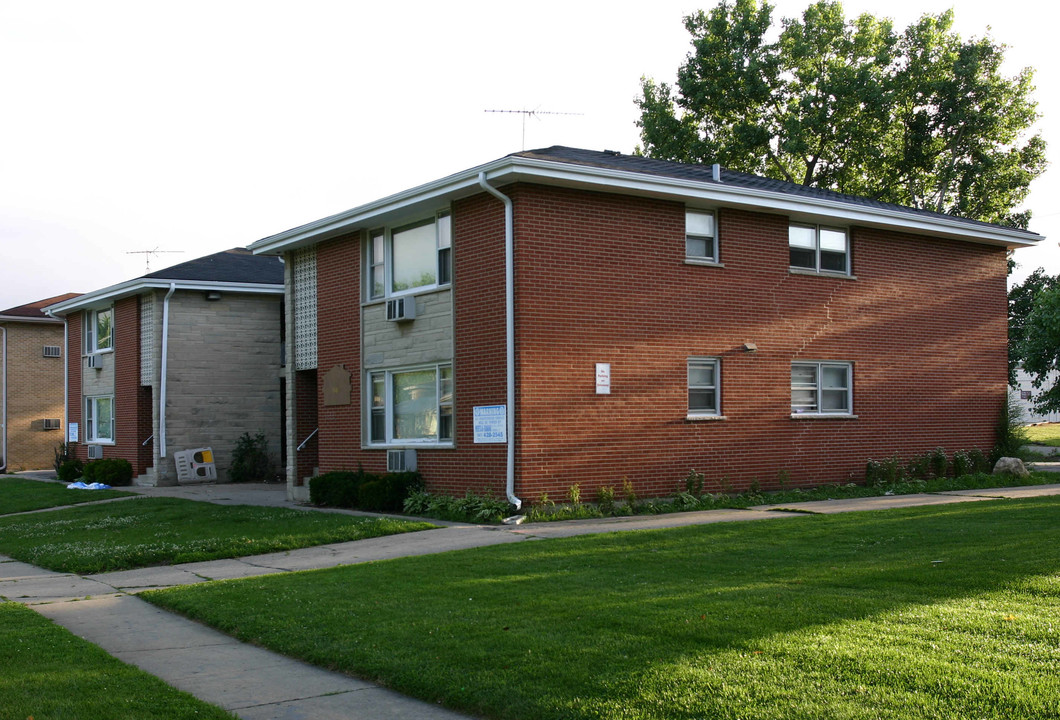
{"points": [[200, 126]]}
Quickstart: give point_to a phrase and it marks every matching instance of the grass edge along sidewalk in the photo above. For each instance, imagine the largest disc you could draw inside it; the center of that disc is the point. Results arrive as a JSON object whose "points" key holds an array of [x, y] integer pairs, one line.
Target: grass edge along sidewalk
{"points": [[946, 611], [22, 495], [50, 673], [143, 532]]}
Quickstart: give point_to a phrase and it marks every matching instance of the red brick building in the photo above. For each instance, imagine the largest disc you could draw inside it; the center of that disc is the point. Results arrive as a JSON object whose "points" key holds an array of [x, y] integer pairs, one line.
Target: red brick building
{"points": [[655, 317]]}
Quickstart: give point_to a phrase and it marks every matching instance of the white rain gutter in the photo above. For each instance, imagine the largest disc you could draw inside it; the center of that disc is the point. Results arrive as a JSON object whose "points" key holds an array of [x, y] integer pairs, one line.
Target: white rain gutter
{"points": [[509, 330], [162, 381], [3, 417]]}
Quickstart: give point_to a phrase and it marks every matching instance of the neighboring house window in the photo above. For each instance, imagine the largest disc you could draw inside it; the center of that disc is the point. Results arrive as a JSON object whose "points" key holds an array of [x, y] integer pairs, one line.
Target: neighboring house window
{"points": [[703, 383], [410, 257], [821, 388], [411, 406], [99, 419], [701, 238], [817, 248], [99, 330]]}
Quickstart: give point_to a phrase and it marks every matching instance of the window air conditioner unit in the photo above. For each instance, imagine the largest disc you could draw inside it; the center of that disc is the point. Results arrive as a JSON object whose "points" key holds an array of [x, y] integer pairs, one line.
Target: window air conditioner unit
{"points": [[95, 361], [52, 351], [401, 309], [400, 460], [95, 452], [52, 423]]}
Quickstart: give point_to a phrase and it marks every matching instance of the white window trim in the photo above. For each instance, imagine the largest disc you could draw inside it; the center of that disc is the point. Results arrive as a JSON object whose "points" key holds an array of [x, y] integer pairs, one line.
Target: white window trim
{"points": [[818, 413], [388, 422], [91, 424], [388, 258], [91, 324], [715, 258], [700, 414], [816, 270]]}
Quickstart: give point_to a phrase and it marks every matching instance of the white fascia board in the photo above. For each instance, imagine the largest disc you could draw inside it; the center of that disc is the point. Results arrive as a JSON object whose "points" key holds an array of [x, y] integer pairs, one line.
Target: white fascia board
{"points": [[567, 174], [23, 319], [106, 296]]}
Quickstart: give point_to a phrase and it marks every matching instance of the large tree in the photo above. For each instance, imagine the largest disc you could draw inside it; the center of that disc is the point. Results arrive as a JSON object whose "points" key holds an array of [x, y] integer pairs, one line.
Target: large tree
{"points": [[919, 118]]}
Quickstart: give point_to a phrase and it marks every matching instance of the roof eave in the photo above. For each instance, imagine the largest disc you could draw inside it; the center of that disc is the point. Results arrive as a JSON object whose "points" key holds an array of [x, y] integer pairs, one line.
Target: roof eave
{"points": [[25, 319], [108, 295], [569, 174]]}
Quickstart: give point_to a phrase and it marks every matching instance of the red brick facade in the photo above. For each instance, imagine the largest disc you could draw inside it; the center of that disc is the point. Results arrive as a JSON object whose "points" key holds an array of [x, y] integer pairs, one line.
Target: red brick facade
{"points": [[603, 278]]}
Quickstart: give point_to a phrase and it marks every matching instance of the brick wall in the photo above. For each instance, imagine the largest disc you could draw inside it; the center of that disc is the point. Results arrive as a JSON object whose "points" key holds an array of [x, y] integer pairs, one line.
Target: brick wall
{"points": [[34, 393], [601, 278], [132, 402]]}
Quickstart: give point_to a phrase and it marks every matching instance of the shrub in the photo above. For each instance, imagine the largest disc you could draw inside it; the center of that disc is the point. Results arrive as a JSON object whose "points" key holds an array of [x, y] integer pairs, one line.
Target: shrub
{"points": [[574, 494], [335, 489], [62, 455], [470, 508], [70, 470], [980, 463], [938, 462], [605, 499], [109, 471], [627, 490], [694, 483], [346, 489], [1011, 433], [919, 467], [962, 464], [251, 461]]}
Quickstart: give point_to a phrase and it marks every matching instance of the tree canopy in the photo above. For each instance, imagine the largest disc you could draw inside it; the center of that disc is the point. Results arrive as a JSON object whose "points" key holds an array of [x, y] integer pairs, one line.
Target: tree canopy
{"points": [[920, 118], [1034, 335]]}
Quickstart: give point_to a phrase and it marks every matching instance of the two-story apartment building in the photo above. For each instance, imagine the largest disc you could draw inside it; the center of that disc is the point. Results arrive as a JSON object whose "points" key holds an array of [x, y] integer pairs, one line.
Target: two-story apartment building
{"points": [[564, 316], [31, 386], [182, 358]]}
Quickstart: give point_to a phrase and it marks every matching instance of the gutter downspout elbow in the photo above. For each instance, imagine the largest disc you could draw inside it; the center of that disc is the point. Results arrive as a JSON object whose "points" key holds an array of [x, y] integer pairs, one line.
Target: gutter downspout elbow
{"points": [[162, 379], [509, 331]]}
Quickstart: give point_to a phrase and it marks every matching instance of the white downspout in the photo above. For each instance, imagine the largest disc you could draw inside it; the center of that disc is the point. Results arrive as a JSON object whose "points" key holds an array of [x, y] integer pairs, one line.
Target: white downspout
{"points": [[509, 329], [3, 417], [162, 380]]}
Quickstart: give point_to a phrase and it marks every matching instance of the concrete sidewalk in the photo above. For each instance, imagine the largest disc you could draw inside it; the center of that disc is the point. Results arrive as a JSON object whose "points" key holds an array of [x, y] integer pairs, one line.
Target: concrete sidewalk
{"points": [[257, 684]]}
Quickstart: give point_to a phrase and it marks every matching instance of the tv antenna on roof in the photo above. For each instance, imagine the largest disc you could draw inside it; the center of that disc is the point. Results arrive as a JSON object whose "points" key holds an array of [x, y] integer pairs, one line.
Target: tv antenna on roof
{"points": [[147, 255], [530, 113]]}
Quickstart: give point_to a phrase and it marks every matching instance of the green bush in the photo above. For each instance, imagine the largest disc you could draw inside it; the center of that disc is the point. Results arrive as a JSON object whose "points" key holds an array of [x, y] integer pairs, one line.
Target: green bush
{"points": [[335, 489], [70, 470], [962, 463], [1011, 432], [109, 471], [363, 491], [251, 461], [938, 462], [470, 508]]}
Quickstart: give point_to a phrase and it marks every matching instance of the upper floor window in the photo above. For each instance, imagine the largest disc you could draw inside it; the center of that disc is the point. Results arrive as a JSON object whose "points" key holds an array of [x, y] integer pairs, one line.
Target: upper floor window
{"points": [[701, 237], [410, 257], [818, 248], [821, 388], [99, 330], [703, 383]]}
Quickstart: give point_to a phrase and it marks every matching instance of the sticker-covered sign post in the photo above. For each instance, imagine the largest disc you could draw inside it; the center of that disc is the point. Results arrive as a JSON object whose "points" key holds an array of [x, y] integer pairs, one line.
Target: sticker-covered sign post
{"points": [[491, 423]]}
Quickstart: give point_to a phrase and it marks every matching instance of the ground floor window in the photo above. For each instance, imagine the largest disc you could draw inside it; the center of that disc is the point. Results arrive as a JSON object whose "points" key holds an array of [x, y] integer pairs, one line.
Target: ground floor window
{"points": [[413, 405], [821, 388], [99, 419]]}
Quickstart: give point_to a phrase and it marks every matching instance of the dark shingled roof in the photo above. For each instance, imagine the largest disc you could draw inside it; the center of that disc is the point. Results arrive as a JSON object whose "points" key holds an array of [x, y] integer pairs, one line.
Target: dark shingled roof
{"points": [[35, 310], [704, 173], [237, 265]]}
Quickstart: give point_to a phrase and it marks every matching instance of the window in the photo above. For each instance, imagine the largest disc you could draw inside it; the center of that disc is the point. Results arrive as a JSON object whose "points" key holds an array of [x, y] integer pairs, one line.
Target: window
{"points": [[409, 257], [411, 406], [99, 419], [821, 388], [703, 377], [99, 330], [701, 239], [820, 249]]}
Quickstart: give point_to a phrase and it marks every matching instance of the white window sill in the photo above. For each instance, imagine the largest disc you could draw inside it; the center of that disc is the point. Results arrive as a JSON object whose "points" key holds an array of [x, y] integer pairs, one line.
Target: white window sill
{"points": [[821, 273], [822, 416], [700, 418], [410, 446], [408, 293], [105, 443], [106, 351], [703, 262]]}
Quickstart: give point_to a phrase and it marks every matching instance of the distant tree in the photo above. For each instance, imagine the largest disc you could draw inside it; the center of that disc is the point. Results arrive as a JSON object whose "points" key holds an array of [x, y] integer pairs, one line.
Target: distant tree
{"points": [[1021, 302], [1034, 335], [922, 118]]}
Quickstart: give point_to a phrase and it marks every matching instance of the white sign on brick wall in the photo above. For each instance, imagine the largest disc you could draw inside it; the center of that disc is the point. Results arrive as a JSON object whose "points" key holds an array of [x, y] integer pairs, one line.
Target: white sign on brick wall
{"points": [[603, 378], [491, 423], [71, 432]]}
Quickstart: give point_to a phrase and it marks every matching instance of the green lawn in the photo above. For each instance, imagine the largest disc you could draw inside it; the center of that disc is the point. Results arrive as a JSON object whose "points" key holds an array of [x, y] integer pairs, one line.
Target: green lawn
{"points": [[939, 612], [1048, 434], [163, 531], [20, 495], [50, 673]]}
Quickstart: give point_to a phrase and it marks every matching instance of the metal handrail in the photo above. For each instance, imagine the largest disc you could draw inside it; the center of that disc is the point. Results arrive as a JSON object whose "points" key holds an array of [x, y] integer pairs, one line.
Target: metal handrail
{"points": [[302, 445], [144, 443]]}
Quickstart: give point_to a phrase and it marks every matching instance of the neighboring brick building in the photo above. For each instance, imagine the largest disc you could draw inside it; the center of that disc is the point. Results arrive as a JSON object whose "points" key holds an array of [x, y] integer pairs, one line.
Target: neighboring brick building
{"points": [[663, 317], [31, 386], [178, 359]]}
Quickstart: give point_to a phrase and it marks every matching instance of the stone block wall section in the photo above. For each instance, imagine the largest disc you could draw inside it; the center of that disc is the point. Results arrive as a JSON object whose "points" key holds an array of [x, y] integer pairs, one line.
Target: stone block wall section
{"points": [[223, 376], [34, 393]]}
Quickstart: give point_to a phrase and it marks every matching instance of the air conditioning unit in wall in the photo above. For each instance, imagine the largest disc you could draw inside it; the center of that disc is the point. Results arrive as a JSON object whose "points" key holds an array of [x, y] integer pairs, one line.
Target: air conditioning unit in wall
{"points": [[401, 460], [401, 309], [95, 452], [95, 361], [52, 423]]}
